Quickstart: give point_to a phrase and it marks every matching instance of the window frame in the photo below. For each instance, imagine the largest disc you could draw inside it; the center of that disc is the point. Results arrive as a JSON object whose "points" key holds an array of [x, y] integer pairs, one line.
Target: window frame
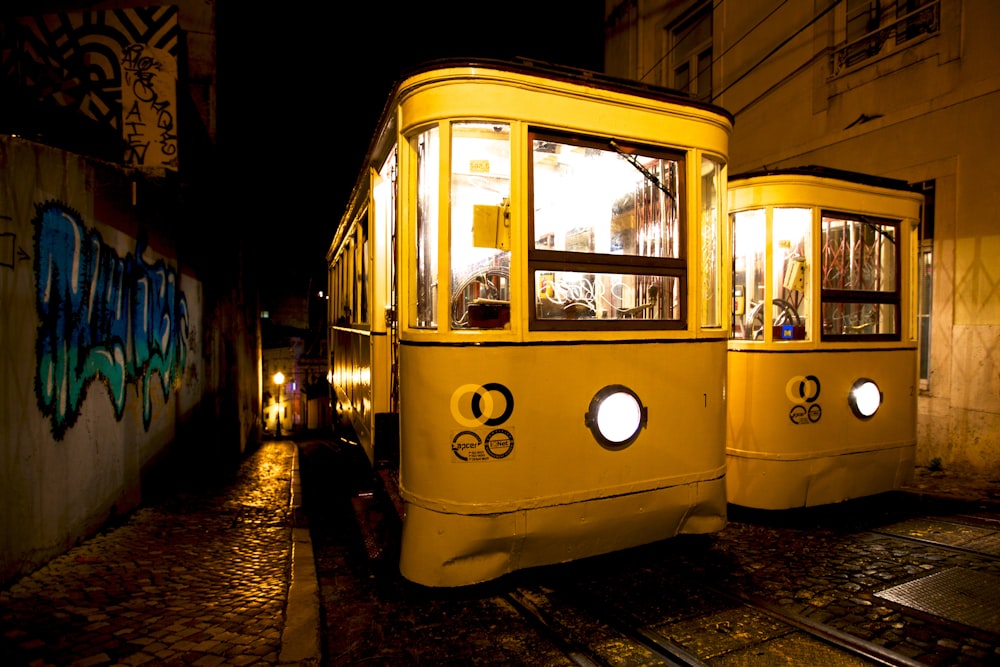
{"points": [[690, 59], [542, 260], [875, 297]]}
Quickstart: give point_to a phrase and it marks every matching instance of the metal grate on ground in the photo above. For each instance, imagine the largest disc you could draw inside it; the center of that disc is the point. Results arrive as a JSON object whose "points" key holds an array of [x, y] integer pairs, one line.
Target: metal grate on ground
{"points": [[963, 596]]}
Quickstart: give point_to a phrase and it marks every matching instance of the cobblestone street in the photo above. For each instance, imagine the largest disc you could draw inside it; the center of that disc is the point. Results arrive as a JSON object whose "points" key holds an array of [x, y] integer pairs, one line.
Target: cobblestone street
{"points": [[199, 579]]}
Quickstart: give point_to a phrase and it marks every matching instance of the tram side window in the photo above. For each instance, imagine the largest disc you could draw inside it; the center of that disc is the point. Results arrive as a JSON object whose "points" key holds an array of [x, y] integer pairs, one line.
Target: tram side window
{"points": [[606, 224], [428, 149], [480, 225], [711, 253], [860, 289]]}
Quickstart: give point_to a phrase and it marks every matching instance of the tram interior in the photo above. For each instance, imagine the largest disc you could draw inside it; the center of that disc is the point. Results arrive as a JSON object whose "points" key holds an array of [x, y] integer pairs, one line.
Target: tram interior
{"points": [[857, 274], [596, 213]]}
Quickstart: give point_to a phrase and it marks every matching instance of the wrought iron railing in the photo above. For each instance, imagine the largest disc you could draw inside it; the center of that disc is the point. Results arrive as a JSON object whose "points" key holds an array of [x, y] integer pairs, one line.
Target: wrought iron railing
{"points": [[922, 21]]}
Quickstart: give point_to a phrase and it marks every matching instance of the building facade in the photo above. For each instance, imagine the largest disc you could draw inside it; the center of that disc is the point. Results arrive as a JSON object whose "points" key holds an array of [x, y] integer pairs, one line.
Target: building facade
{"points": [[906, 89]]}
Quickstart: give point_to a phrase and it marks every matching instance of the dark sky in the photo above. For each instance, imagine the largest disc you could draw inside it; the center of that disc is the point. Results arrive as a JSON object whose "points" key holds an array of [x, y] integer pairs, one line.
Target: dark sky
{"points": [[300, 94]]}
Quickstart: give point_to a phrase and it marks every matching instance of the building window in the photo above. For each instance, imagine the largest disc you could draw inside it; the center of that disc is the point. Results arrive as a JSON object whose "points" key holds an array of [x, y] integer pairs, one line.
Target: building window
{"points": [[862, 18], [926, 273], [870, 29], [691, 54]]}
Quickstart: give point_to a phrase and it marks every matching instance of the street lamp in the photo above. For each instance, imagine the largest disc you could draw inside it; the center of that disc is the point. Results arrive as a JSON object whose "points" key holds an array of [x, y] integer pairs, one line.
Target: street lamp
{"points": [[279, 379]]}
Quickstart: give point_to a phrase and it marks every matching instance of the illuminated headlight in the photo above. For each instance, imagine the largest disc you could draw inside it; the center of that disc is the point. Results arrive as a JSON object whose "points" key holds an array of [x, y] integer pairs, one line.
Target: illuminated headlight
{"points": [[616, 416], [865, 398]]}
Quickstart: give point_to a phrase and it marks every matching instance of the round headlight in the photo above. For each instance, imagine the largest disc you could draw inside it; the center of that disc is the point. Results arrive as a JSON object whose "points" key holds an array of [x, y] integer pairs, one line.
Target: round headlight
{"points": [[864, 398], [615, 417]]}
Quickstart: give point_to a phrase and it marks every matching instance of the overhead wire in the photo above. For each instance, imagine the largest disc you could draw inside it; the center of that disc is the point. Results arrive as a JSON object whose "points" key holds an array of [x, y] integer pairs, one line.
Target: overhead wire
{"points": [[746, 34], [777, 48], [734, 44]]}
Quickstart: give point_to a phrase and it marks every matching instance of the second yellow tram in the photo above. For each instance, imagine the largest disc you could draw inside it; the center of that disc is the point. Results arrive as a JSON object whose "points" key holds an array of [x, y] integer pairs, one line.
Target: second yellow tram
{"points": [[823, 366], [529, 329]]}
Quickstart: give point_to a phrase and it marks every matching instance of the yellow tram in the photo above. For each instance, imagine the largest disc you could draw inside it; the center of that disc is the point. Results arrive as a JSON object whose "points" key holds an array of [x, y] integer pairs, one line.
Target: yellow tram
{"points": [[530, 323], [823, 367]]}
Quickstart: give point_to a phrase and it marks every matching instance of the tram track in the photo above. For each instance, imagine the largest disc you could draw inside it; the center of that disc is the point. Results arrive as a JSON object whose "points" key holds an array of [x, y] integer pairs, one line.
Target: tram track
{"points": [[967, 529], [741, 596], [609, 619], [591, 632], [621, 641]]}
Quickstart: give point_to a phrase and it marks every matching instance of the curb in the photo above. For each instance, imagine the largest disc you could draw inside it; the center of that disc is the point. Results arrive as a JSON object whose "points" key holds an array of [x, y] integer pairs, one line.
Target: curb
{"points": [[300, 639]]}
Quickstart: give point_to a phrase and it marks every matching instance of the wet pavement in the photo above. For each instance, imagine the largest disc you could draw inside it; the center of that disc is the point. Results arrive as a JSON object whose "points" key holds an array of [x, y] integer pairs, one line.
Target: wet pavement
{"points": [[204, 577], [820, 566], [227, 570]]}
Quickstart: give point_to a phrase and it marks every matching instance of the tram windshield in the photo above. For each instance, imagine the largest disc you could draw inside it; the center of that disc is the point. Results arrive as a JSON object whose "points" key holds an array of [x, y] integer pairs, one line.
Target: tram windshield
{"points": [[606, 230], [860, 284], [606, 236], [790, 241]]}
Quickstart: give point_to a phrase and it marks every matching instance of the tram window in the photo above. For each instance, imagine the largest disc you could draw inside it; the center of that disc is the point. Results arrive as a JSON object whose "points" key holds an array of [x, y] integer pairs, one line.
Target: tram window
{"points": [[428, 149], [859, 277], [480, 225], [790, 250], [749, 253], [574, 295], [606, 224], [711, 228], [791, 240]]}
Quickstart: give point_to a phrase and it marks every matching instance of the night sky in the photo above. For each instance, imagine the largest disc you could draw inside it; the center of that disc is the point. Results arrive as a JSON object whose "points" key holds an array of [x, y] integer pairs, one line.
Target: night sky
{"points": [[300, 95]]}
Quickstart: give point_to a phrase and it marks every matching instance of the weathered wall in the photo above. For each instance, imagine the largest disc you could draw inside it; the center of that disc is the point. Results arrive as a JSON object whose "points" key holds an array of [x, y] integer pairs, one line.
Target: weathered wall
{"points": [[97, 368], [130, 340], [925, 110]]}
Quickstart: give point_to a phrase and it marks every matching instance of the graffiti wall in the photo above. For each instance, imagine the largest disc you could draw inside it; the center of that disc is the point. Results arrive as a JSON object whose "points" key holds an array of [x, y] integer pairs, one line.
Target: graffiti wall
{"points": [[116, 67], [100, 349]]}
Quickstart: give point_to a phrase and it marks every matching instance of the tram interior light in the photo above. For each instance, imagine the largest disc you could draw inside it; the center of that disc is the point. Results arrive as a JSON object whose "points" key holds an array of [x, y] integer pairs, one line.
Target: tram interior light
{"points": [[616, 416], [864, 398]]}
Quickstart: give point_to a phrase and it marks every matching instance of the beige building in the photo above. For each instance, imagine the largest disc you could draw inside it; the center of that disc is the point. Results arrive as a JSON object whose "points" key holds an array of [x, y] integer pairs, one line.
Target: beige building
{"points": [[907, 89]]}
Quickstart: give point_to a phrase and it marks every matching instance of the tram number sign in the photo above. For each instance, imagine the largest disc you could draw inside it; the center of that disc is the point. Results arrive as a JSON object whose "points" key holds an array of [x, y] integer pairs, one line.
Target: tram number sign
{"points": [[803, 392]]}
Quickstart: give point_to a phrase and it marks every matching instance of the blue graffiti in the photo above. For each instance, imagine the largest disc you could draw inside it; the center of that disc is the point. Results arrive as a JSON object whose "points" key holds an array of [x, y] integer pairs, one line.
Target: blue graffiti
{"points": [[101, 316]]}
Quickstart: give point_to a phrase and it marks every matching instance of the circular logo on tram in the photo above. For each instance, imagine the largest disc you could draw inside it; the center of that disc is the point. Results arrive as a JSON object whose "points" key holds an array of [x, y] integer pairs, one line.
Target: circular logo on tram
{"points": [[499, 443], [803, 388], [803, 391], [490, 404], [465, 442]]}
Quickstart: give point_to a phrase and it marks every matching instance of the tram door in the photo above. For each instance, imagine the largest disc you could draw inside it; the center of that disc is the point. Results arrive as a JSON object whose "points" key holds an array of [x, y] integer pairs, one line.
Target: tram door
{"points": [[384, 339]]}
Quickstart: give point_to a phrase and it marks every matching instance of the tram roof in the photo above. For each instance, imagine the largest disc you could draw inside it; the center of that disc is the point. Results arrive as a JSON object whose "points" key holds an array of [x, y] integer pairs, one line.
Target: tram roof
{"points": [[569, 74], [828, 172], [525, 66]]}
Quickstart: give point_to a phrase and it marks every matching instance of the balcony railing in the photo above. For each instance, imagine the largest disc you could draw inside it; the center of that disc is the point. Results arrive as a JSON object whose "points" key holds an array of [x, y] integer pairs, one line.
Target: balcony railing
{"points": [[923, 21]]}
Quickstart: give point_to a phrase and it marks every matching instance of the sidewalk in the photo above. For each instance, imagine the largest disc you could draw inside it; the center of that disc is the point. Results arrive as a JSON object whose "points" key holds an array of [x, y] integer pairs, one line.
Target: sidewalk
{"points": [[965, 485], [221, 573]]}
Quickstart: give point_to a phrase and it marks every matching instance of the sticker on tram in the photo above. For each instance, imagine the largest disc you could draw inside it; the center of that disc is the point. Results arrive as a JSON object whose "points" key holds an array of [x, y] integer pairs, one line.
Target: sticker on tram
{"points": [[481, 409], [483, 445], [803, 391], [474, 405]]}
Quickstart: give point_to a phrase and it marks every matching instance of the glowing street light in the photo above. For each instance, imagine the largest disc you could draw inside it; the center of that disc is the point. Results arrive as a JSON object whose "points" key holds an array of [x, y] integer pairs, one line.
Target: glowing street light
{"points": [[279, 379]]}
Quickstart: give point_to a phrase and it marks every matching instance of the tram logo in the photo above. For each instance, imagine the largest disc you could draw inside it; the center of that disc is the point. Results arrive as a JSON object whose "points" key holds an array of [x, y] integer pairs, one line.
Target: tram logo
{"points": [[803, 391], [491, 404], [480, 409]]}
